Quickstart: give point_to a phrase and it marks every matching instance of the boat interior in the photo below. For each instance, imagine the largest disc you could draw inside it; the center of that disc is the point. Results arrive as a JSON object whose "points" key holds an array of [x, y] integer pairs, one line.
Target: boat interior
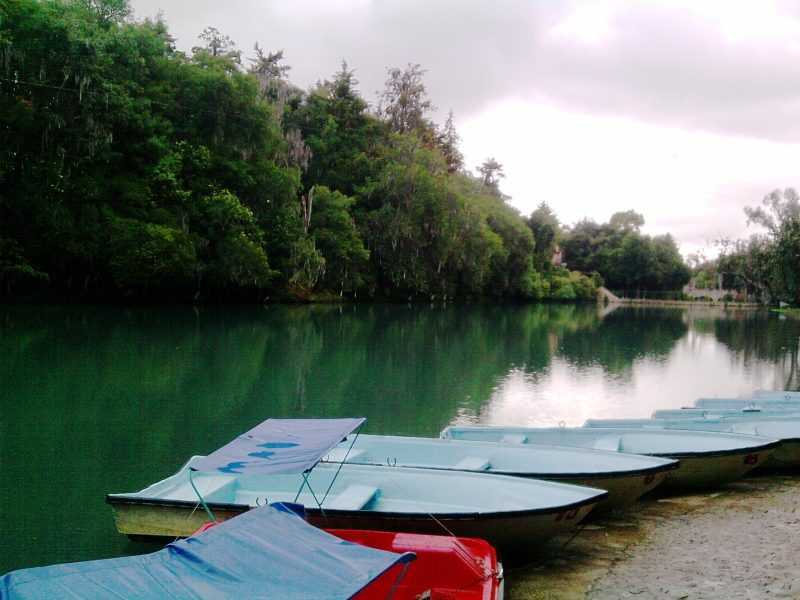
{"points": [[384, 489]]}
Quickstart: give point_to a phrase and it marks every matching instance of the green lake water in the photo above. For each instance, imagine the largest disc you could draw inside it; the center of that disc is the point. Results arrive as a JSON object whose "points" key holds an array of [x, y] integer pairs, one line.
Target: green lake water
{"points": [[97, 400]]}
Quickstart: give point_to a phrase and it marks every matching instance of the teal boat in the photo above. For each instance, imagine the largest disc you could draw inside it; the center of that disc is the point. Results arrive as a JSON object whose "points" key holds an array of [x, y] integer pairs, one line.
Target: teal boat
{"points": [[750, 412], [503, 510], [783, 394], [277, 461], [764, 402], [782, 427], [707, 459], [625, 477]]}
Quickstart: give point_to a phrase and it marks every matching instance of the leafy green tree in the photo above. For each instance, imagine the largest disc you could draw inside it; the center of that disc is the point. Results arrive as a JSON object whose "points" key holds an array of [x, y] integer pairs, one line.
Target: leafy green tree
{"points": [[746, 264], [447, 140], [780, 216], [15, 270], [109, 11], [339, 242], [670, 272], [307, 266], [144, 255], [491, 172], [271, 73], [625, 258], [627, 221], [406, 221], [343, 138], [404, 101], [768, 264], [218, 45], [512, 273], [634, 265], [582, 244], [231, 243], [546, 230]]}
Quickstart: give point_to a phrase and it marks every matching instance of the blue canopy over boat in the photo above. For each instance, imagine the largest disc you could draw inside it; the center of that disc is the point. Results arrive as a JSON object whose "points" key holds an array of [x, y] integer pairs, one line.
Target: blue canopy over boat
{"points": [[279, 446], [264, 553]]}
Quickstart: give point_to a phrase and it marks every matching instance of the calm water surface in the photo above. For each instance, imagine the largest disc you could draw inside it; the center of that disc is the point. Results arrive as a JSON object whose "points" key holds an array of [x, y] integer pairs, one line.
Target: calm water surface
{"points": [[95, 400]]}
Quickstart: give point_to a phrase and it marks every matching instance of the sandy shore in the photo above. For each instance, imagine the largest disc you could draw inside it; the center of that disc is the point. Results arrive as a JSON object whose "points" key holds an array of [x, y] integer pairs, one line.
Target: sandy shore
{"points": [[742, 541]]}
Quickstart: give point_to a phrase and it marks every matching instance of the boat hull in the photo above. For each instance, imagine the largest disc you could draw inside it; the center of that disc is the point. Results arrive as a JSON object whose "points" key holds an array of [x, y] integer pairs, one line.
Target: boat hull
{"points": [[623, 490], [707, 471], [785, 456], [694, 472], [502, 531], [165, 519], [142, 518]]}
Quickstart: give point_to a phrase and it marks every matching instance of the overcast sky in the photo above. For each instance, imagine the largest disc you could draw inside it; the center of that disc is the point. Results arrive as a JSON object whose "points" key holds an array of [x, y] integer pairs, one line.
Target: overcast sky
{"points": [[685, 111]]}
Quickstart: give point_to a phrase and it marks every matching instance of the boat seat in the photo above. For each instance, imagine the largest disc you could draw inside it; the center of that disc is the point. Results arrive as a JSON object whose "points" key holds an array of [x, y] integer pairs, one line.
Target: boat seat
{"points": [[514, 438], [338, 454], [473, 463], [214, 488], [353, 497], [609, 442]]}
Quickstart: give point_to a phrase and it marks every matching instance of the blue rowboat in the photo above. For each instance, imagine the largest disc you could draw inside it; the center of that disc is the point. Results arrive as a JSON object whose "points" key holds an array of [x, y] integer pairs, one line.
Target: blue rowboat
{"points": [[707, 459], [276, 462], [763, 412], [502, 510], [781, 394], [626, 477], [782, 427], [764, 402], [266, 553]]}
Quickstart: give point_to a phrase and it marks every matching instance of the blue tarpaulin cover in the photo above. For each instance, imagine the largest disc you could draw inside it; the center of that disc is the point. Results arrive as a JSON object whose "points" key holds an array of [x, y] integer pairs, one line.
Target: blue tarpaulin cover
{"points": [[279, 446], [263, 553]]}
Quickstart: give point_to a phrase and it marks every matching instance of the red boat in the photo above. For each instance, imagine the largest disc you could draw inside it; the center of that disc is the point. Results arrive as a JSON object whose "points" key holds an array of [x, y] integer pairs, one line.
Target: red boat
{"points": [[447, 568]]}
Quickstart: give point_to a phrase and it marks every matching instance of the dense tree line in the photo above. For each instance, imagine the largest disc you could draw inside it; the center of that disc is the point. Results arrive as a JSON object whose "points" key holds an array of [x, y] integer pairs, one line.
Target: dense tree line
{"points": [[625, 258], [129, 168], [767, 264]]}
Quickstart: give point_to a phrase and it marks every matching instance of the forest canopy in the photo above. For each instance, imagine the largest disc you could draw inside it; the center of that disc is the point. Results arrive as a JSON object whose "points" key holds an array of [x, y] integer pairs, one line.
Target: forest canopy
{"points": [[767, 264], [131, 169], [627, 259]]}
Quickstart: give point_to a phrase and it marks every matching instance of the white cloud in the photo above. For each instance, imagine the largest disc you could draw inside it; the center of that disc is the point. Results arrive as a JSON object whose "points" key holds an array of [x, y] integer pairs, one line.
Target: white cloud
{"points": [[691, 183]]}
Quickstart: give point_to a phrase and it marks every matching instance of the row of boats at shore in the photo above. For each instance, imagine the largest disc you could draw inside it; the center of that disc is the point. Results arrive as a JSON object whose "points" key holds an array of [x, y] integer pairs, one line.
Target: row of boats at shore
{"points": [[513, 487]]}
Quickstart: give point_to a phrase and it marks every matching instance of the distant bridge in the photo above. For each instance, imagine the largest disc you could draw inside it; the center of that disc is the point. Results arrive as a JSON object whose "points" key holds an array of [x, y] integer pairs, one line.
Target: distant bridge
{"points": [[715, 295], [604, 293]]}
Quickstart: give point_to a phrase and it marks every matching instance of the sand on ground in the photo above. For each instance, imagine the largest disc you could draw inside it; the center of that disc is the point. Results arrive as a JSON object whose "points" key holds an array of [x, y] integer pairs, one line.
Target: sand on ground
{"points": [[741, 541]]}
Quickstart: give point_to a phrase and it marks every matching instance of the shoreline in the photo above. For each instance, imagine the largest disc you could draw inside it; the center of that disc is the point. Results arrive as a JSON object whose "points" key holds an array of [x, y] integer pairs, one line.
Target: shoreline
{"points": [[689, 303], [739, 541]]}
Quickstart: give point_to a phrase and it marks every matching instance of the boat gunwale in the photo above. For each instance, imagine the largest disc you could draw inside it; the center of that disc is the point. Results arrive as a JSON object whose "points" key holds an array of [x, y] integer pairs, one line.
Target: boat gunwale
{"points": [[715, 453], [771, 444], [600, 496], [779, 440], [792, 440], [651, 470]]}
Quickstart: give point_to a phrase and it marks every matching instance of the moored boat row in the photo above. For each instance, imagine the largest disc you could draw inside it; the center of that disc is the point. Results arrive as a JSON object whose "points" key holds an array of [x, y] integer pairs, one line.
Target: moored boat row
{"points": [[430, 499], [626, 477]]}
